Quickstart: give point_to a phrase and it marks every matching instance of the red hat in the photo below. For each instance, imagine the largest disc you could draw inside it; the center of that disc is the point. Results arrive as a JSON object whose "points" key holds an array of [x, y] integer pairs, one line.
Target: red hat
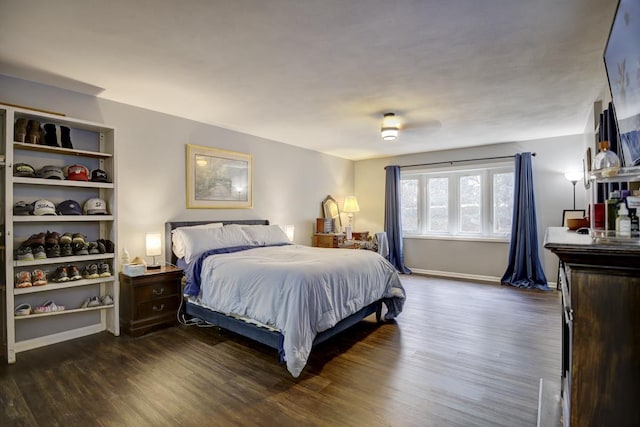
{"points": [[77, 173]]}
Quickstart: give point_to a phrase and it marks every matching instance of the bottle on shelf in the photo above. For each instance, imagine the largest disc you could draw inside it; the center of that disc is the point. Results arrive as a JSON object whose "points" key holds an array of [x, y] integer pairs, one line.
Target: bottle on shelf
{"points": [[606, 161], [612, 210], [623, 222], [635, 222]]}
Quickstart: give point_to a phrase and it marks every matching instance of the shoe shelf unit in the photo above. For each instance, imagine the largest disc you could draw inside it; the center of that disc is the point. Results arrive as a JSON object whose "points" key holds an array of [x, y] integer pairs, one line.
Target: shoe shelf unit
{"points": [[93, 146]]}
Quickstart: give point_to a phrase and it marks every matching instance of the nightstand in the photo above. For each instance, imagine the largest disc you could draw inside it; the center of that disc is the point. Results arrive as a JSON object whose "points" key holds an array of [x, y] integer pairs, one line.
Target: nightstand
{"points": [[149, 301]]}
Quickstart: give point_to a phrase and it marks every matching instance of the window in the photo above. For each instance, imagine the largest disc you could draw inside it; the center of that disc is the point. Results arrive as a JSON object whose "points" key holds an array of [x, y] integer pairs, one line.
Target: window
{"points": [[461, 202]]}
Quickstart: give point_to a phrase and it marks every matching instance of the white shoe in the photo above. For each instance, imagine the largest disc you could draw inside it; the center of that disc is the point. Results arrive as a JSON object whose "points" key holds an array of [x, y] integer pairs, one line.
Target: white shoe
{"points": [[106, 300]]}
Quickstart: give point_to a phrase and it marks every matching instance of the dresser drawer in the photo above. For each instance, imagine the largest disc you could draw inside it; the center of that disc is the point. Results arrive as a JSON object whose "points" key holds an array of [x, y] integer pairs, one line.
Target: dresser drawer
{"points": [[328, 240], [156, 291], [157, 307]]}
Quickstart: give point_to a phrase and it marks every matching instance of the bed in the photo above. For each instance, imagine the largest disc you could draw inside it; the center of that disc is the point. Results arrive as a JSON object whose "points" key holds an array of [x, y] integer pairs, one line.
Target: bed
{"points": [[246, 277]]}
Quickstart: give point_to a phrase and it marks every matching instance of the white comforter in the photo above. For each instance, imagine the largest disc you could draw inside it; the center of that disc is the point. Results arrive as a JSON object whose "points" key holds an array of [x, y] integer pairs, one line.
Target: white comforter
{"points": [[298, 290]]}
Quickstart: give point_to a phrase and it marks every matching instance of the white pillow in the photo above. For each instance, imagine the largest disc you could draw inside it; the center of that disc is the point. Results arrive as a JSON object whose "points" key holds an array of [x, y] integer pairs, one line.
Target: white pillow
{"points": [[177, 239], [262, 235], [199, 240]]}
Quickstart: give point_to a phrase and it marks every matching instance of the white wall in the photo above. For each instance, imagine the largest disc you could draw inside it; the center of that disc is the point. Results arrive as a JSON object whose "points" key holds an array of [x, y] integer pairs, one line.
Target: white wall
{"points": [[483, 260], [289, 183]]}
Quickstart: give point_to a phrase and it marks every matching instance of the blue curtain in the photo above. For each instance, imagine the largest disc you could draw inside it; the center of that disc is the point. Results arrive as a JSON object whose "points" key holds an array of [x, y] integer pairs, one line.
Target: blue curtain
{"points": [[524, 269], [392, 223]]}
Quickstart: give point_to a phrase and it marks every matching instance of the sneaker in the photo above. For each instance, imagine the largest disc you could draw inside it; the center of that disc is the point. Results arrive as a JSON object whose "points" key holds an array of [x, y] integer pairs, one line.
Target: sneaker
{"points": [[106, 300], [38, 278], [23, 279], [23, 310], [90, 272], [109, 246], [52, 251], [52, 238], [66, 238], [35, 240], [104, 270], [73, 273], [66, 250], [101, 248], [60, 275], [25, 253], [78, 238], [39, 252], [90, 302], [93, 248], [80, 249]]}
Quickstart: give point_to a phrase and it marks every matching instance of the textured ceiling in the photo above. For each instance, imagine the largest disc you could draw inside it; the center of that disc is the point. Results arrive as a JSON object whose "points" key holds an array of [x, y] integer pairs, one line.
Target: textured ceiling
{"points": [[320, 73]]}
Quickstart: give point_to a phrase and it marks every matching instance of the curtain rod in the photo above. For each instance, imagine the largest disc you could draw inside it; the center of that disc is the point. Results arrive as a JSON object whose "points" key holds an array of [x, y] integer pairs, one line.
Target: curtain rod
{"points": [[451, 162]]}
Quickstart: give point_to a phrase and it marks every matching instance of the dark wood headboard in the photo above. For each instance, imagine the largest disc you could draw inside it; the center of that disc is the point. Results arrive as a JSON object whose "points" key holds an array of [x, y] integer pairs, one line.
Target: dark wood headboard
{"points": [[169, 226]]}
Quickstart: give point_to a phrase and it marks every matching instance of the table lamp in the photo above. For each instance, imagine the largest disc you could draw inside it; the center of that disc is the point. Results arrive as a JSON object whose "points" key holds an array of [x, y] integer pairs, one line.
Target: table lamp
{"points": [[350, 206], [153, 248]]}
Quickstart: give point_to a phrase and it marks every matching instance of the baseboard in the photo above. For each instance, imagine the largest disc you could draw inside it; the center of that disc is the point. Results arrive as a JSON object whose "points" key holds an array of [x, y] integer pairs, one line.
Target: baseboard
{"points": [[464, 276], [454, 275]]}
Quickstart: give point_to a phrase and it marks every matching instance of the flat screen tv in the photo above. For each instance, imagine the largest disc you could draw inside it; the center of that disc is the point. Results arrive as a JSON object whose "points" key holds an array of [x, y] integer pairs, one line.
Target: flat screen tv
{"points": [[622, 61]]}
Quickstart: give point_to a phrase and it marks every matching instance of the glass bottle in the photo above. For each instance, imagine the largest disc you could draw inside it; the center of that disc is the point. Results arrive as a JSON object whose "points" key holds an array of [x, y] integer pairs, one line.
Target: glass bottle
{"points": [[635, 223], [623, 223], [606, 162]]}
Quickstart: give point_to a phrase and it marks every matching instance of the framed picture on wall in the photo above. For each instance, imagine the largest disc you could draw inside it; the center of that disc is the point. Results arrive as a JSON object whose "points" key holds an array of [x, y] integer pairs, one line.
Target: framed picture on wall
{"points": [[218, 178]]}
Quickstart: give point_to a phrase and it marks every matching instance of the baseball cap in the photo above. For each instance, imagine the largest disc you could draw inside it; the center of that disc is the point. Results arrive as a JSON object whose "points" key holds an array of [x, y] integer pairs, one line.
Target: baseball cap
{"points": [[95, 206], [50, 172], [22, 208], [98, 175], [43, 207], [77, 173], [23, 169], [69, 207]]}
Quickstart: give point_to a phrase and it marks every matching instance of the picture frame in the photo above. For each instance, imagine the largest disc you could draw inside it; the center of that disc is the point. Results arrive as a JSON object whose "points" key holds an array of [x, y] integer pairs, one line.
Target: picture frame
{"points": [[586, 168], [218, 179], [571, 213]]}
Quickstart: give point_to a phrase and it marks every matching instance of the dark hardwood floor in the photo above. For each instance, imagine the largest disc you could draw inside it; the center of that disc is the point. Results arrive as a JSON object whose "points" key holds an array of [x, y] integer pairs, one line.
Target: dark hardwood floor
{"points": [[461, 354]]}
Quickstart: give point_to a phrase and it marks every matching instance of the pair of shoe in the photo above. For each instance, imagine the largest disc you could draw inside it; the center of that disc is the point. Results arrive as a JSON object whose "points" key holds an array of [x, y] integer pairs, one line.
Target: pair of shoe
{"points": [[93, 271], [51, 136], [24, 279], [108, 245], [48, 307], [28, 131], [27, 253], [65, 273], [96, 302]]}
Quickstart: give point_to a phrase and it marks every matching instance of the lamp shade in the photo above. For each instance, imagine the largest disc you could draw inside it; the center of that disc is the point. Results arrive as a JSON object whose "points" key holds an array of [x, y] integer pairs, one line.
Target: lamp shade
{"points": [[390, 127], [350, 205], [573, 176], [153, 244]]}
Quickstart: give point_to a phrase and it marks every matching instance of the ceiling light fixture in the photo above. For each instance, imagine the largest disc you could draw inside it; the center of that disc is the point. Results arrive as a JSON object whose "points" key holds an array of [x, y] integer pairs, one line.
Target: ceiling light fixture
{"points": [[390, 127]]}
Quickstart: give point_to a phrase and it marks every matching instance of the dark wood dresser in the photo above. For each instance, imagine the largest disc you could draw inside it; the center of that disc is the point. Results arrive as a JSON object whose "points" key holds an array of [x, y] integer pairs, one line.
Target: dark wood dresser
{"points": [[149, 301], [600, 285]]}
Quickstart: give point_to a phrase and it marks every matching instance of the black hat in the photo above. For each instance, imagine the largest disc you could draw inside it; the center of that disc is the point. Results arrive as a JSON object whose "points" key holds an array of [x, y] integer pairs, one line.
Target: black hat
{"points": [[98, 175]]}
